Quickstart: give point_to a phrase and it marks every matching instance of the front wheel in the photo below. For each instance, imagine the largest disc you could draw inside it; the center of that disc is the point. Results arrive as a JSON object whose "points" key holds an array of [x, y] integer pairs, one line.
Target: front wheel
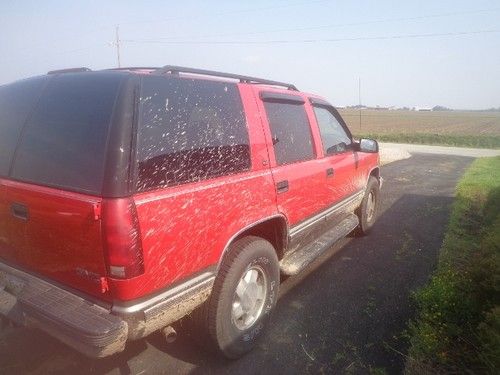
{"points": [[368, 209], [244, 294]]}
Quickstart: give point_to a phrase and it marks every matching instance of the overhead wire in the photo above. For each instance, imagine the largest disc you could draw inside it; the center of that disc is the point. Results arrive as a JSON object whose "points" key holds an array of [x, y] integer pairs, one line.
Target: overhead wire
{"points": [[318, 40], [224, 13], [330, 26]]}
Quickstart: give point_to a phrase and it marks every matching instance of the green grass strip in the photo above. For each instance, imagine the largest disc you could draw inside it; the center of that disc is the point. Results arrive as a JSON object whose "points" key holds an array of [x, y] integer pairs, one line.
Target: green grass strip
{"points": [[458, 325]]}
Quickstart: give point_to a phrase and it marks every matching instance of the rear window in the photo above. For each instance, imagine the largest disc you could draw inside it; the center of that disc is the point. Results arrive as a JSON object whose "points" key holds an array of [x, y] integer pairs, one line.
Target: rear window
{"points": [[190, 130], [64, 141], [16, 102]]}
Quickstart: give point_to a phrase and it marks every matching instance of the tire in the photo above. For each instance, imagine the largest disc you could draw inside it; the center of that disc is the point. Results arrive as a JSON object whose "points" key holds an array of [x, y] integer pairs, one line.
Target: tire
{"points": [[251, 270], [368, 209]]}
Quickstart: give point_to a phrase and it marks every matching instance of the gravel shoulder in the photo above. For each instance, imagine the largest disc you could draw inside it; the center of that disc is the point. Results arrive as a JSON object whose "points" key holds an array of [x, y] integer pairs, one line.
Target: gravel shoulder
{"points": [[437, 150], [391, 152]]}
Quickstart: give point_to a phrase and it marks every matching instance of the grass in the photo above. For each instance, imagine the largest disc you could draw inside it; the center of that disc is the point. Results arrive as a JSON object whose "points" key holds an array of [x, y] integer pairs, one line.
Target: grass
{"points": [[458, 325], [450, 128]]}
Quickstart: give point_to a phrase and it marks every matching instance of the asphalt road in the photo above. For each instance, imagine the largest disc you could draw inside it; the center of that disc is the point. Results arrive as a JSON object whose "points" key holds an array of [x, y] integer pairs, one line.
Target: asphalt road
{"points": [[345, 314]]}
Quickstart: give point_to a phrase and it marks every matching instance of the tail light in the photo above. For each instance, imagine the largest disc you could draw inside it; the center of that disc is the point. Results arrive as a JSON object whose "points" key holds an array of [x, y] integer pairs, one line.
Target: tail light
{"points": [[122, 238]]}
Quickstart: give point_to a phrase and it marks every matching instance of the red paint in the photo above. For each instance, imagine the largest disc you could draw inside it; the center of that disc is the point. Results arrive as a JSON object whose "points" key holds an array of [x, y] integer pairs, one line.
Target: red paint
{"points": [[73, 238], [61, 238]]}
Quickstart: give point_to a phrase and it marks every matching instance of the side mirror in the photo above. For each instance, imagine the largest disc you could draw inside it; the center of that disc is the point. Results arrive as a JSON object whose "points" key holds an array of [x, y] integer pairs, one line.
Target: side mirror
{"points": [[368, 145]]}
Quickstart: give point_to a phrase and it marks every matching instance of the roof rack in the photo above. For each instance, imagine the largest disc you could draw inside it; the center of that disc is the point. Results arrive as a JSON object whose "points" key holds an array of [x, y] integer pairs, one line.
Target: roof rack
{"points": [[243, 79], [136, 68], [70, 70]]}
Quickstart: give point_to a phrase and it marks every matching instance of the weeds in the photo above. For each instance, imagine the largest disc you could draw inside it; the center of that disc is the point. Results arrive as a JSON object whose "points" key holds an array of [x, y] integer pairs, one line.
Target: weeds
{"points": [[458, 326]]}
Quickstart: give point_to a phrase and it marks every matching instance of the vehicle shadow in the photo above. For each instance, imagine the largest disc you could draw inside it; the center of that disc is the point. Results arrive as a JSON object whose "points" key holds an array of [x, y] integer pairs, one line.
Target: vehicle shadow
{"points": [[349, 308]]}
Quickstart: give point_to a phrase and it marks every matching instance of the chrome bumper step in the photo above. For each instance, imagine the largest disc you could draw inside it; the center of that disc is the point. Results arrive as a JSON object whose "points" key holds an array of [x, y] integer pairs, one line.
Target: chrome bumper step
{"points": [[295, 262]]}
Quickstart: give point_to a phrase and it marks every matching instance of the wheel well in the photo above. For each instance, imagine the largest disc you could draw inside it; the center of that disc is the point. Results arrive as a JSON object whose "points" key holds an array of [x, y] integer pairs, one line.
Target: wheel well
{"points": [[273, 230], [375, 173]]}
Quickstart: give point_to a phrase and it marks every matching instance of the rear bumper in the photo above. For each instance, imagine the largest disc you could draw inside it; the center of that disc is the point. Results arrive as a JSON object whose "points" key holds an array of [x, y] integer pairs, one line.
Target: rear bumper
{"points": [[91, 329], [88, 328]]}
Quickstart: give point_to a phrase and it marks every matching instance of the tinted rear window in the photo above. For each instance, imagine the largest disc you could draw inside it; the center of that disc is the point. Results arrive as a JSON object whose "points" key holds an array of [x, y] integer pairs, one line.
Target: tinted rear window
{"points": [[64, 141], [16, 102], [190, 130]]}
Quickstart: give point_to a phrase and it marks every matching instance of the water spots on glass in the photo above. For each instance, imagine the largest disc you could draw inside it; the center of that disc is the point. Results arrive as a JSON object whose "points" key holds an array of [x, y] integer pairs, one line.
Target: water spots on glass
{"points": [[190, 130]]}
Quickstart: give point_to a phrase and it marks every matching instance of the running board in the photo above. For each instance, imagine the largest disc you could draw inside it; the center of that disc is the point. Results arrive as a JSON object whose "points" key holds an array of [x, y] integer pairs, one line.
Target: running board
{"points": [[295, 262]]}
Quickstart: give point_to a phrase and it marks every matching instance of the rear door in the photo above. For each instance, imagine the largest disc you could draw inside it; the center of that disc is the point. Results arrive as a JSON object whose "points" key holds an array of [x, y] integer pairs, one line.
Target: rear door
{"points": [[49, 206], [16, 103]]}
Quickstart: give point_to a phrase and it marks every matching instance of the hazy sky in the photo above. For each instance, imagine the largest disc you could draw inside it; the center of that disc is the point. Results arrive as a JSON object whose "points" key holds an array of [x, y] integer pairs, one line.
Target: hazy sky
{"points": [[280, 40]]}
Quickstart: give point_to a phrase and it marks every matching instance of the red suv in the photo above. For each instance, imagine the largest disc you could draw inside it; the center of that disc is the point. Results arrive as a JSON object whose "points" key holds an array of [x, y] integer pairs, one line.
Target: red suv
{"points": [[132, 197]]}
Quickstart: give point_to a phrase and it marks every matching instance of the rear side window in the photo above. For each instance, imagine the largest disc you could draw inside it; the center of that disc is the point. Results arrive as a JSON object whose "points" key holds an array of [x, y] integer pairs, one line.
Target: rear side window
{"points": [[189, 130], [290, 131], [16, 102], [64, 141]]}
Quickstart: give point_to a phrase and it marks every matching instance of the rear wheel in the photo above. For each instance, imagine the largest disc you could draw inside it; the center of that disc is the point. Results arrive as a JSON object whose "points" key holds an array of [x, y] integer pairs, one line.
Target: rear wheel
{"points": [[244, 294], [368, 209]]}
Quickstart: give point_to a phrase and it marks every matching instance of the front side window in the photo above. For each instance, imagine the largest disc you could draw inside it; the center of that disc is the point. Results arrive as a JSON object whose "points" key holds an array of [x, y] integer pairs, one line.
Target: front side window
{"points": [[189, 130], [291, 132], [333, 136]]}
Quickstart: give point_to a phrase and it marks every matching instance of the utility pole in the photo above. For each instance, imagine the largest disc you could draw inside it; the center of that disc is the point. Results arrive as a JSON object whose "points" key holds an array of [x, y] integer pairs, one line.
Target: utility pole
{"points": [[117, 43], [359, 94]]}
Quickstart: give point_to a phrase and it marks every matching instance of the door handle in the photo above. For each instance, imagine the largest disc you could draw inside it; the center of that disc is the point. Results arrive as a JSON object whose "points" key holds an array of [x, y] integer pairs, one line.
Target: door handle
{"points": [[330, 172], [282, 186], [20, 211]]}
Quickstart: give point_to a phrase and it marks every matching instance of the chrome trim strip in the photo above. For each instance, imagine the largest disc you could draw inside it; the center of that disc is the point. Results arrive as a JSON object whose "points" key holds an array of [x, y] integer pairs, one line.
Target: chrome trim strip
{"points": [[165, 296], [318, 217]]}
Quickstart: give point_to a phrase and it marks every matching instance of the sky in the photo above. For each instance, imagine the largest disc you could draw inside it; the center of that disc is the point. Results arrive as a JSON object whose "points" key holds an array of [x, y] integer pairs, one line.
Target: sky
{"points": [[404, 53]]}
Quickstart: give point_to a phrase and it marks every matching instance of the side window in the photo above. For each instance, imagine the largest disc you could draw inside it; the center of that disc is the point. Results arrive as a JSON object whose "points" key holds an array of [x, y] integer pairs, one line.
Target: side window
{"points": [[333, 136], [189, 130], [17, 100], [290, 131]]}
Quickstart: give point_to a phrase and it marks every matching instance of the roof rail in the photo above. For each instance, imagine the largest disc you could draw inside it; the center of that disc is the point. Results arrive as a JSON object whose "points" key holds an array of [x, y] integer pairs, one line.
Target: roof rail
{"points": [[243, 79], [136, 68], [70, 70]]}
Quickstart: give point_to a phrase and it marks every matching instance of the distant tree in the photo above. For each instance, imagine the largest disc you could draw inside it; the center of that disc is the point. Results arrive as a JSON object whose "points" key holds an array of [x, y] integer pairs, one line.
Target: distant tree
{"points": [[440, 108]]}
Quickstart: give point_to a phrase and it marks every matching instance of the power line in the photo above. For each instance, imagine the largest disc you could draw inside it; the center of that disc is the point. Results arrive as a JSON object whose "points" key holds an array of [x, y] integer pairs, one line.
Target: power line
{"points": [[287, 5], [328, 40], [330, 26]]}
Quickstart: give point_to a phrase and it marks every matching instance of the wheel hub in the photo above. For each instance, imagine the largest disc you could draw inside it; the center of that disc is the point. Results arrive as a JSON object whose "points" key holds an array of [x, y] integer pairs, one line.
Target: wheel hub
{"points": [[249, 298]]}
